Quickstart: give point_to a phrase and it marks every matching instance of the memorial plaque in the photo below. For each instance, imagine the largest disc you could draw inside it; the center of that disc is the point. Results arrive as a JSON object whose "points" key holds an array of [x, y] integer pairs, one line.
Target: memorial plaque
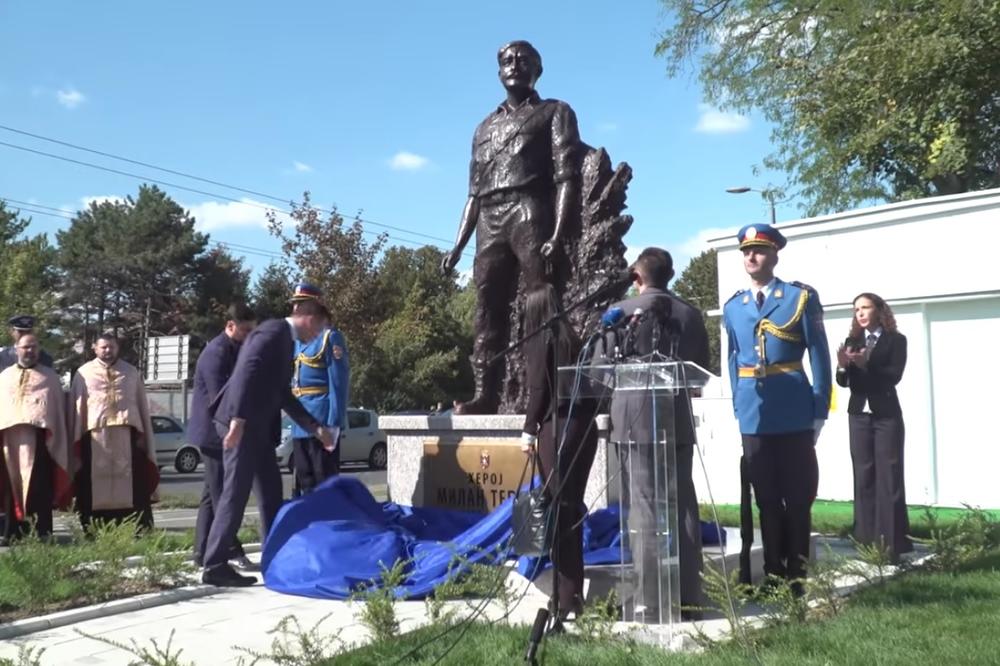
{"points": [[471, 473]]}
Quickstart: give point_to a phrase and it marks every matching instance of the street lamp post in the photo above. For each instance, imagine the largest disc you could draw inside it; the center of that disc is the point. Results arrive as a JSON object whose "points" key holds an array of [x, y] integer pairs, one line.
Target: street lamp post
{"points": [[767, 194]]}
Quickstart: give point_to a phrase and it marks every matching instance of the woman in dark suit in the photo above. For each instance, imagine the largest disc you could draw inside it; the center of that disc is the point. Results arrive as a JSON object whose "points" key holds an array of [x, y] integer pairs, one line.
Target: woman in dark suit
{"points": [[560, 344], [871, 363]]}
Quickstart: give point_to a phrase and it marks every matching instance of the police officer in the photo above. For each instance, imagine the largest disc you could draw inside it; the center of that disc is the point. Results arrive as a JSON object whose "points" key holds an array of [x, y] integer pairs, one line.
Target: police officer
{"points": [[20, 325], [320, 382], [769, 327]]}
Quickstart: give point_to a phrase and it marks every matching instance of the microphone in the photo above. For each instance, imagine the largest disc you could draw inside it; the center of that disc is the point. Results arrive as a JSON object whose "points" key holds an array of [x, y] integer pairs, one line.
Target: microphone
{"points": [[612, 318], [633, 321], [537, 630]]}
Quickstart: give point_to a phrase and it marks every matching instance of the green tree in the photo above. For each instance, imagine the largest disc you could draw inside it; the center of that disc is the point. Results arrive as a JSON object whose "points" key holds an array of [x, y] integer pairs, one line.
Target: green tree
{"points": [[271, 292], [422, 346], [699, 285], [869, 99], [138, 266], [28, 280], [220, 280]]}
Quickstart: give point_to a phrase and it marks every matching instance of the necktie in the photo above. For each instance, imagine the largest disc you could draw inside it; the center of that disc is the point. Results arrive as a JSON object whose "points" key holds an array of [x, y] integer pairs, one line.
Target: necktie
{"points": [[760, 299], [870, 343]]}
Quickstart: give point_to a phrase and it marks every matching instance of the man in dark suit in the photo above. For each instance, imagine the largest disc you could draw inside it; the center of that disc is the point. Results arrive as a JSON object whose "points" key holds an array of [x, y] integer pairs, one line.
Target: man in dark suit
{"points": [[675, 328], [215, 365], [245, 412]]}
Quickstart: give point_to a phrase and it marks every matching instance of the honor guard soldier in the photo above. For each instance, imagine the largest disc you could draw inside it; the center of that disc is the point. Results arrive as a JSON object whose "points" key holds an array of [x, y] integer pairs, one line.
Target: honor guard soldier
{"points": [[320, 382], [20, 325], [769, 327]]}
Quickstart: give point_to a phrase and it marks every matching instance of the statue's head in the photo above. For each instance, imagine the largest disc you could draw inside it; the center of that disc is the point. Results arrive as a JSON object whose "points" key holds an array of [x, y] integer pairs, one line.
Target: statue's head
{"points": [[520, 65]]}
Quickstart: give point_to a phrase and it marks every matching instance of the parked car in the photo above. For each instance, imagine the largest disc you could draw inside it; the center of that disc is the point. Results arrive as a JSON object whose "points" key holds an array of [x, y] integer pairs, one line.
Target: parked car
{"points": [[360, 441], [172, 447]]}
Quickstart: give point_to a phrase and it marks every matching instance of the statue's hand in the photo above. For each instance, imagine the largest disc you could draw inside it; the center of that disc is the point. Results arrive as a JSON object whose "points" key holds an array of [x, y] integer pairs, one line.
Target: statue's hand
{"points": [[449, 261], [549, 246]]}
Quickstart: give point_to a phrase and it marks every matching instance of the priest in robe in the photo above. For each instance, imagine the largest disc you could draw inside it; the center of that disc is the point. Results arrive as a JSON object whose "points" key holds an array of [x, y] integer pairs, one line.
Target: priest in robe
{"points": [[34, 474], [112, 439]]}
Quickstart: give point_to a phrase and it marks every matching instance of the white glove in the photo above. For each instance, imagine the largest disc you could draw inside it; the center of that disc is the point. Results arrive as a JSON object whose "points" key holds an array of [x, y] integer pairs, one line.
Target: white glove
{"points": [[335, 431], [817, 427]]}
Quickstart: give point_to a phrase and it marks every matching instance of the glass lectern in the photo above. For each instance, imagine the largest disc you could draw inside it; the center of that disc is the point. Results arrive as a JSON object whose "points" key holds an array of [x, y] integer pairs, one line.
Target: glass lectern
{"points": [[643, 399]]}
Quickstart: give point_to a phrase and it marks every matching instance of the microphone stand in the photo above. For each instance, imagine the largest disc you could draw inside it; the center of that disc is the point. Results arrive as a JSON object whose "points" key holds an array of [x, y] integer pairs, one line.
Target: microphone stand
{"points": [[554, 479]]}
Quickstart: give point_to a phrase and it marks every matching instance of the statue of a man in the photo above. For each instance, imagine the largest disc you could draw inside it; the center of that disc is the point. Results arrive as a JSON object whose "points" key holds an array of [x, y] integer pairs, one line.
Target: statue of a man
{"points": [[523, 183]]}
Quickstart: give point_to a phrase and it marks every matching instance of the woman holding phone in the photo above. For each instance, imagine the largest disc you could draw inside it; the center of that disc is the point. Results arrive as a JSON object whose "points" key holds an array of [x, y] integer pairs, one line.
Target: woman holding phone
{"points": [[871, 363]]}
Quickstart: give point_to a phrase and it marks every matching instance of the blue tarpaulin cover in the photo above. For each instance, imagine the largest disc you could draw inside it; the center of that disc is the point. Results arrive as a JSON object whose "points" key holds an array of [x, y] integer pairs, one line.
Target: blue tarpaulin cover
{"points": [[334, 540]]}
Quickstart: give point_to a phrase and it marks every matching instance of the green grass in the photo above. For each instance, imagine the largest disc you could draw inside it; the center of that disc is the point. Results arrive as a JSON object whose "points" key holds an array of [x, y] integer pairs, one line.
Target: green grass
{"points": [[916, 619], [829, 517], [38, 576]]}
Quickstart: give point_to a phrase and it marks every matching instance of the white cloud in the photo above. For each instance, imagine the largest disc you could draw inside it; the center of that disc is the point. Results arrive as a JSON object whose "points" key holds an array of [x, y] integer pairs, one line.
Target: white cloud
{"points": [[404, 161], [607, 127], [713, 121], [301, 167], [70, 98], [212, 215], [632, 253], [86, 201]]}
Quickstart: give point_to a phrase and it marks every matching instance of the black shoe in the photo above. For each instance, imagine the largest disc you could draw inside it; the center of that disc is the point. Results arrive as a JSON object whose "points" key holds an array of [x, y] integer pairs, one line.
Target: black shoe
{"points": [[243, 563], [226, 576]]}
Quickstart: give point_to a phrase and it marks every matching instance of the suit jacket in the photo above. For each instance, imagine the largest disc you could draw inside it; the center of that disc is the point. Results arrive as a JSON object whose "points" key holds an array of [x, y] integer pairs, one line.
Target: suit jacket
{"points": [[215, 365], [876, 383], [774, 339], [631, 418], [261, 383]]}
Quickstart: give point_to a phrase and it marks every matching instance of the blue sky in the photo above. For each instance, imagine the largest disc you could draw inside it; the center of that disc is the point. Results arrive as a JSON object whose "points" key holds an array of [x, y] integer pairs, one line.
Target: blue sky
{"points": [[368, 105]]}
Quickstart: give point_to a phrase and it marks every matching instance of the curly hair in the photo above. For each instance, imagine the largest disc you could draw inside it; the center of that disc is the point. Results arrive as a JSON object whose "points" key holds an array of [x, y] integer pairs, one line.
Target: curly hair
{"points": [[885, 317]]}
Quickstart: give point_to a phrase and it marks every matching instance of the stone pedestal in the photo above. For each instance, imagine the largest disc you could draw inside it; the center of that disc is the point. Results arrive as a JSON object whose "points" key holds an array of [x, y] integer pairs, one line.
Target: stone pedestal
{"points": [[471, 462]]}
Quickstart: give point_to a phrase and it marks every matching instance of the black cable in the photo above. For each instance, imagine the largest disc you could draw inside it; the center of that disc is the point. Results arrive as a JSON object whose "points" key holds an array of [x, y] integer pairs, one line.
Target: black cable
{"points": [[209, 181], [467, 622], [247, 250], [187, 189]]}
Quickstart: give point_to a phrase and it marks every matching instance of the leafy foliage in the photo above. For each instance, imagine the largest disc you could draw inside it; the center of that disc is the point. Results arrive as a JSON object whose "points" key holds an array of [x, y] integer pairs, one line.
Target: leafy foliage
{"points": [[869, 99]]}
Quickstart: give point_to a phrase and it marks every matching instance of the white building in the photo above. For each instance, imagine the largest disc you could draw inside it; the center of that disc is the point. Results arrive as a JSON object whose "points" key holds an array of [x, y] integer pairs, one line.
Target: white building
{"points": [[933, 261]]}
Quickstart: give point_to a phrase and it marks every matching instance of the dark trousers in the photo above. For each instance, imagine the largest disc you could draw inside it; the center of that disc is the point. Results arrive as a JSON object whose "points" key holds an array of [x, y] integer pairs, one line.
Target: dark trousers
{"points": [[251, 464], [785, 476], [509, 235], [879, 492], [38, 508], [641, 473], [313, 464], [142, 508], [210, 493], [576, 459]]}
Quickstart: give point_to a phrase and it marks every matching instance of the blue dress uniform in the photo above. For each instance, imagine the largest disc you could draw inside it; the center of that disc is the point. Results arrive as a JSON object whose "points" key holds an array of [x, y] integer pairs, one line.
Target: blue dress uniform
{"points": [[320, 381], [777, 408]]}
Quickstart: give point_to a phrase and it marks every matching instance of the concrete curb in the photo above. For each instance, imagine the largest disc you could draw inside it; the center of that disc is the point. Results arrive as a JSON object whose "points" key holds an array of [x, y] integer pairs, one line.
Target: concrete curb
{"points": [[32, 625], [135, 560], [61, 619]]}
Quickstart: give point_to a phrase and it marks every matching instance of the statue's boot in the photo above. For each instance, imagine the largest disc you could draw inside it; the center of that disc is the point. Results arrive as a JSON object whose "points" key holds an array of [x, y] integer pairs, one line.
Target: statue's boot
{"points": [[487, 397]]}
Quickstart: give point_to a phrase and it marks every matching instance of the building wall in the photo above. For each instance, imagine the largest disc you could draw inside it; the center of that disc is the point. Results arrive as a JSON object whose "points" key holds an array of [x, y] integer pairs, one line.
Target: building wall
{"points": [[932, 260]]}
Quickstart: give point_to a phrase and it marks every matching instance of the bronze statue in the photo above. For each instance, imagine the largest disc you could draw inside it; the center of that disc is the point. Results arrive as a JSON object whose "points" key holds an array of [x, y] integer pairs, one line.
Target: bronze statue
{"points": [[524, 204]]}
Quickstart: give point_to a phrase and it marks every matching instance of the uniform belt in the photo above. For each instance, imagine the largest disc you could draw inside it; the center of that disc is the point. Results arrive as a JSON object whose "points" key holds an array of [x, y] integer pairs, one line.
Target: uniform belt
{"points": [[773, 369], [299, 391]]}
